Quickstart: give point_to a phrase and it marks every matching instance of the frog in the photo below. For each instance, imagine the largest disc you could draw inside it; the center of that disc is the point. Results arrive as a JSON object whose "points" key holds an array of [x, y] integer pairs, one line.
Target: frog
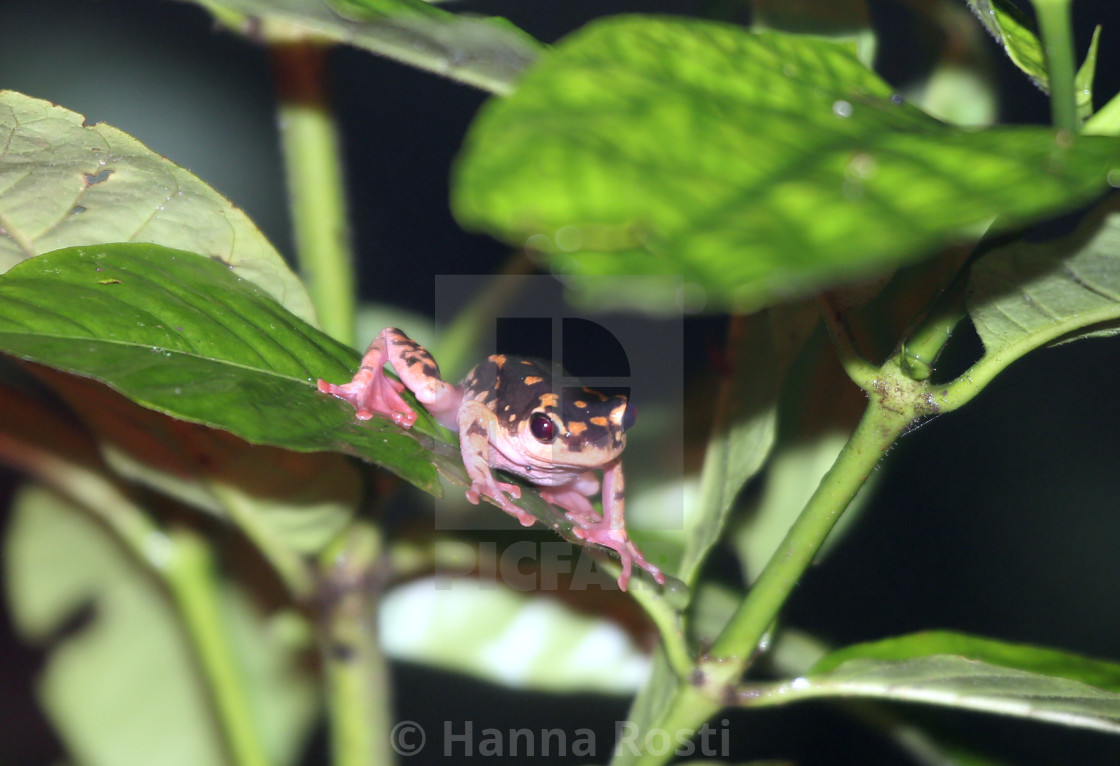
{"points": [[510, 417]]}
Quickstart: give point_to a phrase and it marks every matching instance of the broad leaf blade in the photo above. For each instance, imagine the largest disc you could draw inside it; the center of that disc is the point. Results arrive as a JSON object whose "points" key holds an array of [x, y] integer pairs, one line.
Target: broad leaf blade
{"points": [[1028, 295], [489, 53], [755, 165], [182, 335], [122, 686], [64, 183]]}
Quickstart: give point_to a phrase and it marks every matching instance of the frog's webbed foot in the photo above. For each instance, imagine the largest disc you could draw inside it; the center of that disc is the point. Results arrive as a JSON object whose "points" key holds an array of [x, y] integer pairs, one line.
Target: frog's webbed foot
{"points": [[620, 542], [372, 392], [591, 527], [497, 491]]}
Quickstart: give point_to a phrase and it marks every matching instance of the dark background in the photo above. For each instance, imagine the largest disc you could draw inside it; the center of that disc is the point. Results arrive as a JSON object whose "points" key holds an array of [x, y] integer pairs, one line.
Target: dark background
{"points": [[999, 520]]}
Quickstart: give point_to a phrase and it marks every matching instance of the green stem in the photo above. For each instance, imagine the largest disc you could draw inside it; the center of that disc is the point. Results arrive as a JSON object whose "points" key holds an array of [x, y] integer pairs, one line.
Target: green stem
{"points": [[919, 352], [859, 370], [190, 577], [357, 674], [313, 161], [886, 418], [687, 711], [1057, 41]]}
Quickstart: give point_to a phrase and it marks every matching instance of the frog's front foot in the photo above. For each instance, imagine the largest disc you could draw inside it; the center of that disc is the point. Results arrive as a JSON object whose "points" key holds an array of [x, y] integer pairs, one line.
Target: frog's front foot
{"points": [[497, 491], [618, 541], [372, 392]]}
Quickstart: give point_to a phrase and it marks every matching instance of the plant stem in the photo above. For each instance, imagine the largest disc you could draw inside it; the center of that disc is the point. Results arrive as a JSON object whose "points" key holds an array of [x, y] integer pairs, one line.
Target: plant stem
{"points": [[1057, 41], [316, 191], [190, 577], [357, 675], [919, 352], [884, 420], [859, 370]]}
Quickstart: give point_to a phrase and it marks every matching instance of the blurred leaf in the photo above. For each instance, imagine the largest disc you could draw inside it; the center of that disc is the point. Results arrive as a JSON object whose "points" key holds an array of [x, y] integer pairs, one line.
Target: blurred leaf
{"points": [[64, 183], [746, 419], [1083, 82], [1029, 294], [1036, 659], [819, 413], [525, 642], [120, 682], [295, 500], [755, 165], [488, 53], [183, 335], [956, 682]]}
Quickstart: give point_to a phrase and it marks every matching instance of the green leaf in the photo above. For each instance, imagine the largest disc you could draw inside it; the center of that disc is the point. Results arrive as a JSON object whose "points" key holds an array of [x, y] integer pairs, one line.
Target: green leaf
{"points": [[524, 642], [1083, 82], [1014, 32], [1030, 294], [183, 335], [755, 165], [747, 414], [957, 682], [1035, 659], [65, 183], [114, 684], [488, 53]]}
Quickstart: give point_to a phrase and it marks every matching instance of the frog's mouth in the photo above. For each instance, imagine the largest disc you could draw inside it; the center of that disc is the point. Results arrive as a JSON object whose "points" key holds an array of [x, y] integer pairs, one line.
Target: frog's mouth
{"points": [[560, 459]]}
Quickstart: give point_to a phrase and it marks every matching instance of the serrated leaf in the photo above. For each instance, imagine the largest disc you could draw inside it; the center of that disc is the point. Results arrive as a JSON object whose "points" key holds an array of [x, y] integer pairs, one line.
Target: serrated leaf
{"points": [[183, 335], [489, 53], [755, 165], [526, 643], [1015, 34], [64, 183], [1030, 294], [956, 682], [1036, 659], [121, 686], [1013, 31]]}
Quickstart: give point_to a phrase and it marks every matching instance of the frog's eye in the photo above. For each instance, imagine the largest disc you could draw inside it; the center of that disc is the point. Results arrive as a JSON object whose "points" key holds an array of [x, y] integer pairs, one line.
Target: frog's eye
{"points": [[542, 427]]}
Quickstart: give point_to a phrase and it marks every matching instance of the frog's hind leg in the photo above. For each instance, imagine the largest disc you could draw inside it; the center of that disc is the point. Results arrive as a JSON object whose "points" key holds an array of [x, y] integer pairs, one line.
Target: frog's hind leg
{"points": [[372, 392], [608, 530]]}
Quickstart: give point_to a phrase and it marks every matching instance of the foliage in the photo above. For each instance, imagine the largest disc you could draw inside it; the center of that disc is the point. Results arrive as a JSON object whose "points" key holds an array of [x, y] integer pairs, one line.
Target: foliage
{"points": [[190, 488]]}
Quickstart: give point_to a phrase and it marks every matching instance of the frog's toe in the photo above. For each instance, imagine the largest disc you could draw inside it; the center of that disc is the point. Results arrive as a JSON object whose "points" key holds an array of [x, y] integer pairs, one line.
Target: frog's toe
{"points": [[619, 542], [372, 394]]}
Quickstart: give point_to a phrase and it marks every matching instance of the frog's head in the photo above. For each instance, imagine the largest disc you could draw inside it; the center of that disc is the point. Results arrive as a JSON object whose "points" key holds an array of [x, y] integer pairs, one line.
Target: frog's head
{"points": [[569, 426]]}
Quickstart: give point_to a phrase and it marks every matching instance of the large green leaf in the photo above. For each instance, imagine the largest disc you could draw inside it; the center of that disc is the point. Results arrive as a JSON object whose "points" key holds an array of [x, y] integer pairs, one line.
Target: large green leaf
{"points": [[65, 183], [755, 165], [183, 335], [121, 686], [1030, 294], [488, 53]]}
